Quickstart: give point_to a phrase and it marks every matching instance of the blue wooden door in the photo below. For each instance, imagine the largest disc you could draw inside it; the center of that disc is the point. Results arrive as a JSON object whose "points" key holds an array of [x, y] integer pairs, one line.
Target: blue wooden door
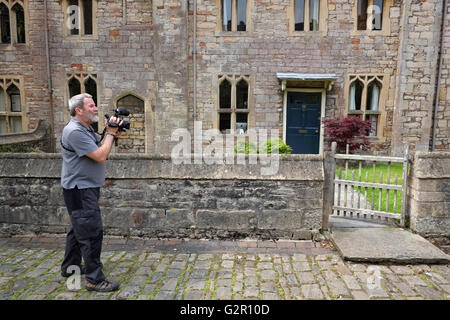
{"points": [[303, 121]]}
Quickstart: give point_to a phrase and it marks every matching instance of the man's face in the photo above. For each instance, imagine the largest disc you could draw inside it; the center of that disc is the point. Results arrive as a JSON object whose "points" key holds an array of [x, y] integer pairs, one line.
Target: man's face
{"points": [[89, 112]]}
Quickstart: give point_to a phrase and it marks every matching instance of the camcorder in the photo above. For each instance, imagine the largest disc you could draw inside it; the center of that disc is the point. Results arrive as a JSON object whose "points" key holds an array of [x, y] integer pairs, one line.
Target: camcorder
{"points": [[123, 126]]}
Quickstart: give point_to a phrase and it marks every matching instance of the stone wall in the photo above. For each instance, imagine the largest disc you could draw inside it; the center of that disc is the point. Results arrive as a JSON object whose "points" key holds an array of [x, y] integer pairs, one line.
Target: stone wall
{"points": [[429, 194], [152, 196], [269, 48], [418, 73]]}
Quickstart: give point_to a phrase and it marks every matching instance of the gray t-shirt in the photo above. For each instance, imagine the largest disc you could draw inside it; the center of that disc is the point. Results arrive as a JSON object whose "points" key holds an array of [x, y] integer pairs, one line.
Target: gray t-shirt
{"points": [[78, 169]]}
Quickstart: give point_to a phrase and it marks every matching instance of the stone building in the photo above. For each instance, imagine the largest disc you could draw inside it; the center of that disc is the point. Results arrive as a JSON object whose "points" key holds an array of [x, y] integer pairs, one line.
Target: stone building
{"points": [[233, 65]]}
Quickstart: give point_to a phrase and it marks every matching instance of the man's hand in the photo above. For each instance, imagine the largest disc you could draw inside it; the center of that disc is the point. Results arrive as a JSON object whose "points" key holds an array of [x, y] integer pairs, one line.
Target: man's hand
{"points": [[113, 130]]}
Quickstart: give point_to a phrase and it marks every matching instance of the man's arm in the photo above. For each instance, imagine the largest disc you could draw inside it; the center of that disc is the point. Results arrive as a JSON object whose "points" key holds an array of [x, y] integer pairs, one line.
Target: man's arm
{"points": [[101, 154]]}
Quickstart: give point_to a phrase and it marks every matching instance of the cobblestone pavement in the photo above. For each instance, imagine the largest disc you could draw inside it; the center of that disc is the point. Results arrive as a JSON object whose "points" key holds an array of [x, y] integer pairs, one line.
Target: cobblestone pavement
{"points": [[215, 270]]}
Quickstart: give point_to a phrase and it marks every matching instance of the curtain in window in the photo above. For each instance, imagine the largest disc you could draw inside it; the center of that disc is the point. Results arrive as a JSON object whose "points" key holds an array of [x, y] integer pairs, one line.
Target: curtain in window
{"points": [[20, 23], [241, 15], [2, 101], [352, 97], [299, 15], [226, 15], [314, 15], [4, 24], [14, 97], [375, 97]]}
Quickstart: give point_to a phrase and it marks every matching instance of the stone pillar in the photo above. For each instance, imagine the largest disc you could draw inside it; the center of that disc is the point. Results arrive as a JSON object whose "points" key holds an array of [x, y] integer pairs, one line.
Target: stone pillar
{"points": [[417, 72], [170, 58], [429, 194]]}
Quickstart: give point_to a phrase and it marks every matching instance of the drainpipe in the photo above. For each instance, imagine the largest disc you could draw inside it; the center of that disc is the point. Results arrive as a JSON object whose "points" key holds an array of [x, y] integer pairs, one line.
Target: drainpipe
{"points": [[438, 84], [194, 60], [49, 81]]}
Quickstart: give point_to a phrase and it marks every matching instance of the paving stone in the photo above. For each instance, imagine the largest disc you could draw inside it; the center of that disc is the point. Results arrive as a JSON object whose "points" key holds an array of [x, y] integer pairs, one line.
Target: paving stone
{"points": [[270, 296], [164, 295], [295, 293], [128, 292], [264, 257], [269, 286], [312, 291], [267, 275], [137, 280], [402, 269], [149, 288], [227, 264], [199, 273], [66, 296], [48, 287], [156, 277], [338, 288], [404, 289], [301, 266], [360, 295], [194, 295], [196, 284], [351, 282], [251, 292], [413, 281], [299, 257], [223, 293], [305, 277], [178, 264], [429, 293], [248, 272], [169, 285], [251, 281]]}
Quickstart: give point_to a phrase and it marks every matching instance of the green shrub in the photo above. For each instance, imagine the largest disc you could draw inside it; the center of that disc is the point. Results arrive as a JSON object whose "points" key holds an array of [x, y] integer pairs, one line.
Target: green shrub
{"points": [[275, 146], [245, 147]]}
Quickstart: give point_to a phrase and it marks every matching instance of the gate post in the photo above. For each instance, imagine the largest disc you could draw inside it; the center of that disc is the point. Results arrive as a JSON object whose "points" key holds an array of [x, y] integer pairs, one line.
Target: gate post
{"points": [[328, 190], [405, 214]]}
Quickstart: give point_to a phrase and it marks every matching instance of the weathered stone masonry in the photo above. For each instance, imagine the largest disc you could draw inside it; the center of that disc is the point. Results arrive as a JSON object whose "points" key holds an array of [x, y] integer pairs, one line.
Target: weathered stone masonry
{"points": [[144, 48], [151, 196]]}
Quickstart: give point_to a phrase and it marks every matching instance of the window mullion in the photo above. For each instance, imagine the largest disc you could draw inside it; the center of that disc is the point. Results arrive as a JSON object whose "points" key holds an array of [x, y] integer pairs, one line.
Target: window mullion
{"points": [[363, 99], [306, 23], [234, 15], [81, 6]]}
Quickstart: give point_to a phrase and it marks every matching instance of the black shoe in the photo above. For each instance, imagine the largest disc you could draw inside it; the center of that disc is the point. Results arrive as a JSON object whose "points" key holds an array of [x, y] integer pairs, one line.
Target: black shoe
{"points": [[65, 274], [103, 286]]}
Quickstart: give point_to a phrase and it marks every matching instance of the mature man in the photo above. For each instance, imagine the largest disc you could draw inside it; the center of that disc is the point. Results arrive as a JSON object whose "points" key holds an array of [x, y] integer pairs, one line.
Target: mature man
{"points": [[83, 173]]}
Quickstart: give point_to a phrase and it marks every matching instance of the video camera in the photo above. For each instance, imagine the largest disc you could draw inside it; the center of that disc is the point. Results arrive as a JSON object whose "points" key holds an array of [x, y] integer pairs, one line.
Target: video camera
{"points": [[123, 126], [119, 112]]}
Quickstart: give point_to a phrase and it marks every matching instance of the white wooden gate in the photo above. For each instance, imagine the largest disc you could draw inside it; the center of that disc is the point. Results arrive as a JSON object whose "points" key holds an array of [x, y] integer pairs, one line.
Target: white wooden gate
{"points": [[355, 196]]}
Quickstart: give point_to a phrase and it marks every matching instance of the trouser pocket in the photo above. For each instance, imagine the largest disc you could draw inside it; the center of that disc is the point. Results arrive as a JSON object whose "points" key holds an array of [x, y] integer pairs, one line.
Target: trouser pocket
{"points": [[87, 224]]}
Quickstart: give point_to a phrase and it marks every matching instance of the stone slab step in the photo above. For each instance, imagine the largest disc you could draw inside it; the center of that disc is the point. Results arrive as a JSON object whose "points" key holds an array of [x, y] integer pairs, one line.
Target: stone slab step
{"points": [[387, 245]]}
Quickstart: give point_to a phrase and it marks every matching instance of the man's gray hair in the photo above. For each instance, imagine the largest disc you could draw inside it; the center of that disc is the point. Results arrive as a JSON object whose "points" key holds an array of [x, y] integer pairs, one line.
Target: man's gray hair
{"points": [[77, 102]]}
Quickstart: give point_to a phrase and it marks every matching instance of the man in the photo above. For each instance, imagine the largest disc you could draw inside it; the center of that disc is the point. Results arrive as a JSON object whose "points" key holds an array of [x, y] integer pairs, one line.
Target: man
{"points": [[83, 173]]}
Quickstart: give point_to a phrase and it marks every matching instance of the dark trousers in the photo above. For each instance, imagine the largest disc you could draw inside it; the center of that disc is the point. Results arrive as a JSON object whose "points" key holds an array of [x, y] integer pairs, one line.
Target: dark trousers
{"points": [[85, 235]]}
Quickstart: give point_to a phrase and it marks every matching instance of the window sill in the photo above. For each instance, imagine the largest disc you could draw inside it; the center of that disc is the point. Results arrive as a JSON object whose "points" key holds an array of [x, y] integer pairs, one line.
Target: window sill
{"points": [[307, 33], [13, 46], [233, 34], [84, 38], [369, 33]]}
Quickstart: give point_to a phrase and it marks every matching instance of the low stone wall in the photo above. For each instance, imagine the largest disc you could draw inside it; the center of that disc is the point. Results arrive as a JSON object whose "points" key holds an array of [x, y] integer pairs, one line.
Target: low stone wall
{"points": [[429, 194], [154, 197]]}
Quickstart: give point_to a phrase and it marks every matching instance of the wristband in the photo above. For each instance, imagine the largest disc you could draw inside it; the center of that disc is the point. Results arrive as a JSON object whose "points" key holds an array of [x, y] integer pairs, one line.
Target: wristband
{"points": [[111, 134]]}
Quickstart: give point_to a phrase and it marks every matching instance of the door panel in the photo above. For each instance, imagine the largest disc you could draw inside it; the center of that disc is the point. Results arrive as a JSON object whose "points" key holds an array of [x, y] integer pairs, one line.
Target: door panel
{"points": [[303, 122]]}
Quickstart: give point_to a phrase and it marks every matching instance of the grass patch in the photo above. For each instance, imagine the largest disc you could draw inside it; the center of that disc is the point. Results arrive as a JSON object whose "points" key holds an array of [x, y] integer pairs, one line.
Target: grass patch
{"points": [[373, 194]]}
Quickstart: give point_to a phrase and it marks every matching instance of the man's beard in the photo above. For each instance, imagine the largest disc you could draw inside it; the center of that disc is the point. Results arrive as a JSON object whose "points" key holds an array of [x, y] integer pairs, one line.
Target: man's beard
{"points": [[91, 119]]}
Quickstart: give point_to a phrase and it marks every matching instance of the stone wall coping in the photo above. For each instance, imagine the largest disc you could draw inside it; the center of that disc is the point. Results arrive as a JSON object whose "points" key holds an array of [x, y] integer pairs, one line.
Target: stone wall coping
{"points": [[431, 165], [132, 166]]}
